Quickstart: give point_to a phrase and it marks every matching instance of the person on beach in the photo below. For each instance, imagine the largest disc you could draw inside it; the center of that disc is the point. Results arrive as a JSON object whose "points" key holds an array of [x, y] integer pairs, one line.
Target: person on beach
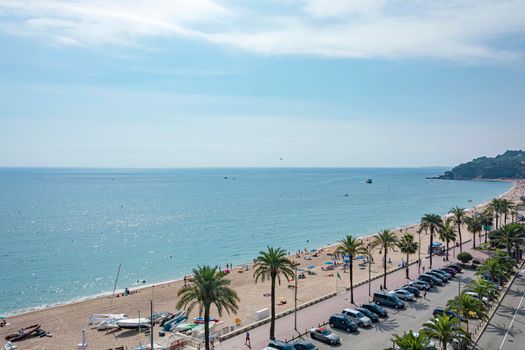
{"points": [[423, 268], [247, 342], [425, 294]]}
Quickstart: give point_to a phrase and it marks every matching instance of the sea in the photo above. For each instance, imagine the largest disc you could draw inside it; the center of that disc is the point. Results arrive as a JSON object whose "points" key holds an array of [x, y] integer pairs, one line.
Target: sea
{"points": [[64, 232]]}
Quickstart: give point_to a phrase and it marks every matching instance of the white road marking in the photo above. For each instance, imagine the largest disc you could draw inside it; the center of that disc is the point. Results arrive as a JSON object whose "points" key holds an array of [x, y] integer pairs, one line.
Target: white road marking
{"points": [[511, 322]]}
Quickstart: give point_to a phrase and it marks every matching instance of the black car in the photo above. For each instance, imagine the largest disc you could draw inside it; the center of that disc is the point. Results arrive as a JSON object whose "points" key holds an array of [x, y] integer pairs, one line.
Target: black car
{"points": [[368, 314], [376, 309], [303, 345], [412, 290], [429, 279], [449, 270], [280, 345], [441, 310], [455, 267], [438, 276]]}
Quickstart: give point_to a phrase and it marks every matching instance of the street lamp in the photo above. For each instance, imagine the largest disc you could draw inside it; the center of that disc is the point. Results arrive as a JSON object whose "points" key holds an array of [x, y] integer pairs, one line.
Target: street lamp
{"points": [[369, 270]]}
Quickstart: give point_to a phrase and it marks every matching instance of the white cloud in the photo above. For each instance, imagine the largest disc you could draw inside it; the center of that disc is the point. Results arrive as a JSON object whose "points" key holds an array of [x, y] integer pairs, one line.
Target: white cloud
{"points": [[456, 30]]}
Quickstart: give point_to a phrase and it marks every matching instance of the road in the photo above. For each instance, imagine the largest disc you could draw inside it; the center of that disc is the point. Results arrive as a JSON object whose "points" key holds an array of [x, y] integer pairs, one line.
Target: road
{"points": [[506, 330], [379, 336]]}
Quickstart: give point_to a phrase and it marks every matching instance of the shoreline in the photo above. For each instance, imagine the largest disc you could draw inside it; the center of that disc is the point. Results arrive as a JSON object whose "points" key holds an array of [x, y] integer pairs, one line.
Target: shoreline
{"points": [[66, 321], [366, 237]]}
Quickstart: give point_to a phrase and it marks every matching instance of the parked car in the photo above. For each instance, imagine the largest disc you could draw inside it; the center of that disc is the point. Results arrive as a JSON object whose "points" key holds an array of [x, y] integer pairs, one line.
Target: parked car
{"points": [[437, 281], [441, 310], [412, 290], [325, 335], [427, 279], [357, 317], [342, 322], [476, 295], [303, 345], [449, 270], [368, 314], [421, 285], [384, 298], [280, 345], [378, 310], [455, 267], [403, 294], [437, 275], [444, 274]]}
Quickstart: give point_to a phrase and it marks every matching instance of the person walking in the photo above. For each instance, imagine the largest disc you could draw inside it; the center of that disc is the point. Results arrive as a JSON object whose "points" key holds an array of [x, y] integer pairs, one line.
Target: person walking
{"points": [[247, 342], [425, 294], [423, 268]]}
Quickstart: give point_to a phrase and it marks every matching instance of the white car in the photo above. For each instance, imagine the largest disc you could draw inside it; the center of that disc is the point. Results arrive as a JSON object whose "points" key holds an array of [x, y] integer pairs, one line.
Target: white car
{"points": [[358, 317], [476, 295], [403, 294]]}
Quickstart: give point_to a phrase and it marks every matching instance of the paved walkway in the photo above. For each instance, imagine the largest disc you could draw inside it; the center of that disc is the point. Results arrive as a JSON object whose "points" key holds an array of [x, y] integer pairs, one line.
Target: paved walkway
{"points": [[320, 312]]}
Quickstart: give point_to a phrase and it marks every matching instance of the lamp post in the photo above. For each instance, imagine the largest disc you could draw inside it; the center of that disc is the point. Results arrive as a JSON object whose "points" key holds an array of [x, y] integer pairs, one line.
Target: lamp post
{"points": [[295, 297], [369, 271]]}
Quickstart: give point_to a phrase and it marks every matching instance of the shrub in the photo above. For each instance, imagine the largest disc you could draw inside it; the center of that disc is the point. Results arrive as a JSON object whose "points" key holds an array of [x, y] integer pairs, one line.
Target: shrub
{"points": [[464, 257]]}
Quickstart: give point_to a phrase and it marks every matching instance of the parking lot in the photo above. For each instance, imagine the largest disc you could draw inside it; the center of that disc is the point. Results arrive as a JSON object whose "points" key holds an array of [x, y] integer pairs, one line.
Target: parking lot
{"points": [[412, 318]]}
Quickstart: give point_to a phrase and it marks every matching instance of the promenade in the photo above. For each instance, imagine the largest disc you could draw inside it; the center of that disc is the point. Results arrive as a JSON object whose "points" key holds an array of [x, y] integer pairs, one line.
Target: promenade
{"points": [[320, 312]]}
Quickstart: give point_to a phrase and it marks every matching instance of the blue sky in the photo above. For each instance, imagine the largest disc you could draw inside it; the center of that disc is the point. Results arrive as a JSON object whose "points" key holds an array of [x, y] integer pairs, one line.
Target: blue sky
{"points": [[163, 83]]}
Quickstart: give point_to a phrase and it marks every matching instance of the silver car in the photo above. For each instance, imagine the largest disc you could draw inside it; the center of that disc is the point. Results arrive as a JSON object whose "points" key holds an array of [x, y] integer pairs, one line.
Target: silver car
{"points": [[403, 294], [358, 317], [325, 335]]}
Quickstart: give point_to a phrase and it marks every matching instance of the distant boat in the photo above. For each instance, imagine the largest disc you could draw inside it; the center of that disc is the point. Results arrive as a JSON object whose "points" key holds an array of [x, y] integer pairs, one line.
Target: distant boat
{"points": [[346, 194], [368, 181]]}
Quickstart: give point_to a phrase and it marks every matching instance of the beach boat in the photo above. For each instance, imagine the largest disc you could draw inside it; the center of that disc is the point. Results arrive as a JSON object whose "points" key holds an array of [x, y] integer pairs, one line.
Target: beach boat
{"points": [[133, 323], [24, 332], [200, 320], [185, 327], [97, 318], [368, 181], [107, 324], [171, 324]]}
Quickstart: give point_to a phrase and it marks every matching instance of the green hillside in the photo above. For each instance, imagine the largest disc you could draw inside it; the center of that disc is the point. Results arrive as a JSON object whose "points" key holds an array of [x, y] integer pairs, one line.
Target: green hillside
{"points": [[509, 165]]}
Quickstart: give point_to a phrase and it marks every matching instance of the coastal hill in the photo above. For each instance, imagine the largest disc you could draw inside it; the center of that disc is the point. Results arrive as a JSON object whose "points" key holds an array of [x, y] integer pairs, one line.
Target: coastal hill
{"points": [[509, 165]]}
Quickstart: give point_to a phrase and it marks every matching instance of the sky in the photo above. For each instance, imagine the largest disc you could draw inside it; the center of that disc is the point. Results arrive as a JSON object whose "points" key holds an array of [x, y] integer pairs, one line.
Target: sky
{"points": [[278, 83]]}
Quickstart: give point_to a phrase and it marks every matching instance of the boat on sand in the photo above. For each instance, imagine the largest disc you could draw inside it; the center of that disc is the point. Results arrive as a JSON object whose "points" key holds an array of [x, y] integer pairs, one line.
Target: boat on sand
{"points": [[24, 332]]}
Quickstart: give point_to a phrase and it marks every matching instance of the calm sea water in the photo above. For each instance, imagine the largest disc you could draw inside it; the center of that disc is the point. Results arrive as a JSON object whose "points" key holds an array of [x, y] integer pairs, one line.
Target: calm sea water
{"points": [[63, 232]]}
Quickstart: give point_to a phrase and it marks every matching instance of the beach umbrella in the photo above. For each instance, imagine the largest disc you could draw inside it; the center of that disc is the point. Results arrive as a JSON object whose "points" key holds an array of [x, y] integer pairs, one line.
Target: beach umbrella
{"points": [[311, 267], [313, 250], [360, 257], [328, 263]]}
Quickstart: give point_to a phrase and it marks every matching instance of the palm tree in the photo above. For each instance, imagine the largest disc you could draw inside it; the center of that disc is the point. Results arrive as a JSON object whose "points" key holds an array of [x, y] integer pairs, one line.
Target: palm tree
{"points": [[496, 207], [386, 240], [506, 208], [447, 233], [459, 216], [446, 329], [496, 269], [486, 218], [352, 247], [409, 341], [482, 287], [474, 225], [271, 265], [511, 235], [407, 245], [467, 306], [432, 223], [209, 288]]}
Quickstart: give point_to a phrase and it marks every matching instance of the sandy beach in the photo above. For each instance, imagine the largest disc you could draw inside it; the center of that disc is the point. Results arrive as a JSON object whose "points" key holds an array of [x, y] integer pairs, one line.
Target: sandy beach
{"points": [[65, 322]]}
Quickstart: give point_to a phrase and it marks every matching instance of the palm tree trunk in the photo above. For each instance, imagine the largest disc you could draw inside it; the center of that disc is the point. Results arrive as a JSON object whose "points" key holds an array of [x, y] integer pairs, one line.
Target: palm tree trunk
{"points": [[460, 238], [384, 268], [505, 218], [351, 279], [497, 217], [486, 235], [447, 248], [408, 257], [443, 345], [206, 327], [431, 243], [473, 239], [272, 319]]}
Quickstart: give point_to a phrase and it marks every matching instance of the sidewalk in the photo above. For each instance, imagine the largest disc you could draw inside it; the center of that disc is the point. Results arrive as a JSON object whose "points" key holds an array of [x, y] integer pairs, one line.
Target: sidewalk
{"points": [[319, 313]]}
